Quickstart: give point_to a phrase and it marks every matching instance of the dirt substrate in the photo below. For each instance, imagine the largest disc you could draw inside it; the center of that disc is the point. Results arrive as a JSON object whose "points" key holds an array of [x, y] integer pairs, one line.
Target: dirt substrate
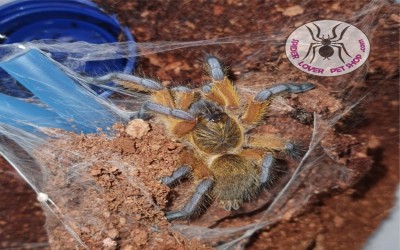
{"points": [[108, 189], [118, 188]]}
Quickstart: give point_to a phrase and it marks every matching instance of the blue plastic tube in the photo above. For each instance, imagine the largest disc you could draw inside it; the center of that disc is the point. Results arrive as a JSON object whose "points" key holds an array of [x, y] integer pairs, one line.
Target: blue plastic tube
{"points": [[72, 102], [28, 116]]}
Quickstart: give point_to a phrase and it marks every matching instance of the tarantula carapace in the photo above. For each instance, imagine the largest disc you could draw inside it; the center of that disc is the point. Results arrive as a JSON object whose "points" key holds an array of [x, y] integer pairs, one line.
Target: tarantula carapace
{"points": [[229, 165]]}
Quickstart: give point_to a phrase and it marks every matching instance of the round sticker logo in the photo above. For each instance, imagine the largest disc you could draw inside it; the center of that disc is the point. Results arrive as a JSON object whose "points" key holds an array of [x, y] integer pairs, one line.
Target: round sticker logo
{"points": [[327, 48]]}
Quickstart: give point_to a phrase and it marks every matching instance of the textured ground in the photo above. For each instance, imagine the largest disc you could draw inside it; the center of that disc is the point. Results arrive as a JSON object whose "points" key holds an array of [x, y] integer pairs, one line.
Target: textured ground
{"points": [[335, 216]]}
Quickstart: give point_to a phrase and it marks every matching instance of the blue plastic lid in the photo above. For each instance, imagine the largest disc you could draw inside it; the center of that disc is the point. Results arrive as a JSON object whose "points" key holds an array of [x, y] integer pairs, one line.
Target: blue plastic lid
{"points": [[65, 21]]}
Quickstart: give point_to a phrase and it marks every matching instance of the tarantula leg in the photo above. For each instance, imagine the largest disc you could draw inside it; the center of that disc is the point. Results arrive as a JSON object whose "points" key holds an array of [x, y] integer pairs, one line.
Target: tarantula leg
{"points": [[288, 87], [130, 82], [266, 166], [215, 69], [179, 174], [183, 97], [194, 203], [221, 90], [179, 122], [257, 108], [176, 113], [273, 143], [293, 151]]}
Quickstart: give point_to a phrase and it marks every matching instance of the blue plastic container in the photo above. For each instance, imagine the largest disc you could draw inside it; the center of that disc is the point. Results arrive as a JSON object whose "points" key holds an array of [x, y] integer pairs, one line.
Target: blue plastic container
{"points": [[64, 21]]}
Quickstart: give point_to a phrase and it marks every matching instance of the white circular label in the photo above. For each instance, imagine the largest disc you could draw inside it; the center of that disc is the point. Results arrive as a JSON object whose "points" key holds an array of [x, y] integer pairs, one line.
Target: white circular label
{"points": [[327, 48]]}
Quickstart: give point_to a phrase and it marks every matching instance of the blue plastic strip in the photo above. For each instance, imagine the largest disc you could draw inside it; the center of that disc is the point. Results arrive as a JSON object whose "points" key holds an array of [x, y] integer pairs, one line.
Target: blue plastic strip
{"points": [[26, 116], [53, 87]]}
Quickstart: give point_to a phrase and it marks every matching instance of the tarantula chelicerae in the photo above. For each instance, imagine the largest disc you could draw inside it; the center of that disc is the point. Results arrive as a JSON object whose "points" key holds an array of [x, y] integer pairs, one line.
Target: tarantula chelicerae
{"points": [[230, 165]]}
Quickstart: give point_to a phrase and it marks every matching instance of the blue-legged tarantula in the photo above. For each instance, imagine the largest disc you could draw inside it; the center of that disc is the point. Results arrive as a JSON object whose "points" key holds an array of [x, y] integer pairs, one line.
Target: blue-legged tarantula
{"points": [[230, 165]]}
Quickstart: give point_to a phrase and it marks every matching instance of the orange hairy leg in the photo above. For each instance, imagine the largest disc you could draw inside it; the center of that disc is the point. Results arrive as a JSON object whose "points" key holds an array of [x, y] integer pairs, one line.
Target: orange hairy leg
{"points": [[132, 86], [269, 143], [257, 107], [163, 97], [199, 169], [183, 97], [253, 153], [255, 112], [221, 90], [130, 82], [224, 93], [180, 127]]}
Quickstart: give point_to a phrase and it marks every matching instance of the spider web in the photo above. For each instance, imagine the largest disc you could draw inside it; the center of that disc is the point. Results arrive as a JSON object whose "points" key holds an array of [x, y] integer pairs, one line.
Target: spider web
{"points": [[20, 147]]}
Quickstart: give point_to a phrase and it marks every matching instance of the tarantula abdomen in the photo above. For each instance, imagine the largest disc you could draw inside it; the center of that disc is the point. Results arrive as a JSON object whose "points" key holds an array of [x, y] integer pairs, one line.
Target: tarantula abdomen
{"points": [[236, 180]]}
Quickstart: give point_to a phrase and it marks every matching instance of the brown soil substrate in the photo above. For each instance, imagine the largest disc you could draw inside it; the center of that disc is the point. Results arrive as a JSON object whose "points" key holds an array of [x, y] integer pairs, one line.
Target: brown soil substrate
{"points": [[342, 210], [110, 188]]}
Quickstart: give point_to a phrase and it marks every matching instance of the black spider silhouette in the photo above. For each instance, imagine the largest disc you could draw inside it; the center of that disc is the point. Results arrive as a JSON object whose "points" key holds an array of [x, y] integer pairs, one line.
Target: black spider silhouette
{"points": [[326, 45]]}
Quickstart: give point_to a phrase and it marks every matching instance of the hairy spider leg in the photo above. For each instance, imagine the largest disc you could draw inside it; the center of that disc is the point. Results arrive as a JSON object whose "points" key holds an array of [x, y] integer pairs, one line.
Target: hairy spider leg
{"points": [[178, 175], [165, 110], [257, 107], [214, 68], [183, 97], [273, 143], [171, 102], [266, 166], [221, 90], [180, 97], [136, 84], [161, 102], [176, 102], [193, 206], [179, 122], [129, 82]]}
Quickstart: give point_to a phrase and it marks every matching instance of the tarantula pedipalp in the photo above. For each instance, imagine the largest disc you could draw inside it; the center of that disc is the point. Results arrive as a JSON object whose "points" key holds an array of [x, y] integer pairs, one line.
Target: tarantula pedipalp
{"points": [[230, 165], [326, 45]]}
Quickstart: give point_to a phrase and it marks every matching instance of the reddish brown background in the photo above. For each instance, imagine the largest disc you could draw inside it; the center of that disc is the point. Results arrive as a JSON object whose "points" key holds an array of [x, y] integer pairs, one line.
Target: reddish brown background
{"points": [[337, 219]]}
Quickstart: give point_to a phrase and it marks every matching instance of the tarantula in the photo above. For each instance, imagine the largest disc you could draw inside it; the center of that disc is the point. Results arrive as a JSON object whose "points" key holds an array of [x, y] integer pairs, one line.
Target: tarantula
{"points": [[229, 165]]}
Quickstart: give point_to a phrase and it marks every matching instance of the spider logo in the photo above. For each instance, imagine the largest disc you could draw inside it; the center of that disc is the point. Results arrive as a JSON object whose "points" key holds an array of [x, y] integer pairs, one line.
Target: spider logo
{"points": [[326, 45]]}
